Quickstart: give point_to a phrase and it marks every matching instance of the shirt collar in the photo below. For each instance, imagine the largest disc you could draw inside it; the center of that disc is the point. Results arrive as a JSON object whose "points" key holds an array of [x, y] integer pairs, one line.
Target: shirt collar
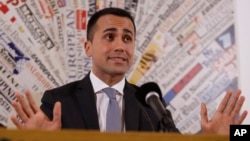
{"points": [[98, 84]]}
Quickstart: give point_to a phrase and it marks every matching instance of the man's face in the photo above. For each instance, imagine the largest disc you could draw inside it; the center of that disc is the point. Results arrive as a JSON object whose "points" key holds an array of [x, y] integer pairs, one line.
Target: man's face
{"points": [[112, 47]]}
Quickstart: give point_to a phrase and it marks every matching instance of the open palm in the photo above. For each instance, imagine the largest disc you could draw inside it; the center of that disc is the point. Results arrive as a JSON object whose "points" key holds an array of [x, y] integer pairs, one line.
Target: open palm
{"points": [[32, 117], [226, 115]]}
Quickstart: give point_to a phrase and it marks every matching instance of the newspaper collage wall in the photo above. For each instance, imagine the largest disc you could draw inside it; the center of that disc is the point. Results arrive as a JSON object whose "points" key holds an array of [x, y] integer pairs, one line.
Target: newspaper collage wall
{"points": [[186, 46]]}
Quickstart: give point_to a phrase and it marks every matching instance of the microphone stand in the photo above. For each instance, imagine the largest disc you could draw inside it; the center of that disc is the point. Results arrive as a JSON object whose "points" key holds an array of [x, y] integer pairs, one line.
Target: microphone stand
{"points": [[166, 124]]}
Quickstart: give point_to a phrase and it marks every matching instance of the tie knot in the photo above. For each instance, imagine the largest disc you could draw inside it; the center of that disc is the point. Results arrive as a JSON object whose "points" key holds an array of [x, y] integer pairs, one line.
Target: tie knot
{"points": [[111, 93]]}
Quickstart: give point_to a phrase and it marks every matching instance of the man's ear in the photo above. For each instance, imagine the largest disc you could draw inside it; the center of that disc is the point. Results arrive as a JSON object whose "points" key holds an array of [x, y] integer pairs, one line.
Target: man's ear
{"points": [[87, 48]]}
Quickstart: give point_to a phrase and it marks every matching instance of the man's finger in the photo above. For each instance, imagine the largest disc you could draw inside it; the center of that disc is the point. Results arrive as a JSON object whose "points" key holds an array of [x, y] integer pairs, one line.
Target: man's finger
{"points": [[23, 104], [32, 102], [242, 117], [230, 108], [19, 111], [224, 102], [237, 107], [57, 112], [16, 122], [203, 114]]}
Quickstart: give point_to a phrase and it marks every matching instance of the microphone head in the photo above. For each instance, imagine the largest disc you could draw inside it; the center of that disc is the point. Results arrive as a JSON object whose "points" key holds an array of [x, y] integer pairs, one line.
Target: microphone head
{"points": [[145, 89]]}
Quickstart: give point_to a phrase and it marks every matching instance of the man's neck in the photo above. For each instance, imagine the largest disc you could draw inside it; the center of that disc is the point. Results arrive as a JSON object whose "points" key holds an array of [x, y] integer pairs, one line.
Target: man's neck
{"points": [[109, 79]]}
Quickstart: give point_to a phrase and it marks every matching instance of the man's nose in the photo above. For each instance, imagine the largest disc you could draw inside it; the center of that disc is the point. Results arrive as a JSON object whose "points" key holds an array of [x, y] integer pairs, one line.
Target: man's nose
{"points": [[120, 45]]}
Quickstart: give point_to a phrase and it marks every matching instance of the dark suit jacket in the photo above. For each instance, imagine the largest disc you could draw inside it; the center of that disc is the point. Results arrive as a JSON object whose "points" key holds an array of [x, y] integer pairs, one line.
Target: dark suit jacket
{"points": [[79, 107]]}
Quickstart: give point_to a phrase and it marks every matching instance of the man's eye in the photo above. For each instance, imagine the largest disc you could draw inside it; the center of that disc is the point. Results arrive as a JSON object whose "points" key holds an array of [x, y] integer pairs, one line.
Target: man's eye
{"points": [[109, 37], [127, 39]]}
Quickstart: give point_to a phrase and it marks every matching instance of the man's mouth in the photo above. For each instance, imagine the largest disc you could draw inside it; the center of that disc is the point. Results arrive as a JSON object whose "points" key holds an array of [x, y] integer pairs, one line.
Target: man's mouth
{"points": [[118, 59]]}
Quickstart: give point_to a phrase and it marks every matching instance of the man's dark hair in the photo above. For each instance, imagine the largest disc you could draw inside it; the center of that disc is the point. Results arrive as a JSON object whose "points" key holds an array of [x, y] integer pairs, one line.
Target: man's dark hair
{"points": [[106, 11]]}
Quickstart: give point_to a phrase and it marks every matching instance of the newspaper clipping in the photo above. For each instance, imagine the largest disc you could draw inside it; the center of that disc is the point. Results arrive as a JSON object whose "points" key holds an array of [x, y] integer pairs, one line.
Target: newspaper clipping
{"points": [[187, 47]]}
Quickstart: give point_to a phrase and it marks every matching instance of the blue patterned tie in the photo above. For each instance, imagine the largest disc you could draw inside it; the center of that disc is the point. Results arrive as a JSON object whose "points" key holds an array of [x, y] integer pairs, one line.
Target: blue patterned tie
{"points": [[113, 121]]}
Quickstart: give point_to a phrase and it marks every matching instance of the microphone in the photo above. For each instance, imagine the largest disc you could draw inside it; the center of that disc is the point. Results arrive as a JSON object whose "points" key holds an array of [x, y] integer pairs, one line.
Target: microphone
{"points": [[149, 94]]}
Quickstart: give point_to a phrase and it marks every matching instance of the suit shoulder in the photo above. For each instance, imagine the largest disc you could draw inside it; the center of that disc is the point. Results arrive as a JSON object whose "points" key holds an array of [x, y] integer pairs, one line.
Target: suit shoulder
{"points": [[128, 84], [65, 89]]}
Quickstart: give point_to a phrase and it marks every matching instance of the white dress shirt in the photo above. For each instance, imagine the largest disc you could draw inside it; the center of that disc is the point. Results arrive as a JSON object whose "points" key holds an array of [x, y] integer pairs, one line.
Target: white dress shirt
{"points": [[102, 99]]}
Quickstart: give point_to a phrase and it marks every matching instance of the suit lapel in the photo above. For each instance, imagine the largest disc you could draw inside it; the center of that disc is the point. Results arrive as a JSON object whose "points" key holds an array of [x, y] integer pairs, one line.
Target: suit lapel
{"points": [[131, 108], [87, 102]]}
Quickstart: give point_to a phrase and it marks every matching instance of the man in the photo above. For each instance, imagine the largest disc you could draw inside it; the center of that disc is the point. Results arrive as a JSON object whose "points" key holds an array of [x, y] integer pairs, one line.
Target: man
{"points": [[83, 104]]}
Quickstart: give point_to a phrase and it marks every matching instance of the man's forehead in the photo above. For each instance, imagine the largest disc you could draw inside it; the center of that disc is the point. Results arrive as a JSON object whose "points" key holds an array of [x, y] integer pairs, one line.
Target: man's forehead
{"points": [[114, 29], [113, 20]]}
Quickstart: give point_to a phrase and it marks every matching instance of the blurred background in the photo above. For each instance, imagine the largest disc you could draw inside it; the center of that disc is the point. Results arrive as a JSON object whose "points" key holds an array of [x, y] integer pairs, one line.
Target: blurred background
{"points": [[195, 50]]}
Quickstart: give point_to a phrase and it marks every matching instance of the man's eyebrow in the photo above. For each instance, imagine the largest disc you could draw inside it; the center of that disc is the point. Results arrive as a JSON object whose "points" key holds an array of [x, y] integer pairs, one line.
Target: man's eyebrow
{"points": [[114, 29], [110, 29], [128, 31]]}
